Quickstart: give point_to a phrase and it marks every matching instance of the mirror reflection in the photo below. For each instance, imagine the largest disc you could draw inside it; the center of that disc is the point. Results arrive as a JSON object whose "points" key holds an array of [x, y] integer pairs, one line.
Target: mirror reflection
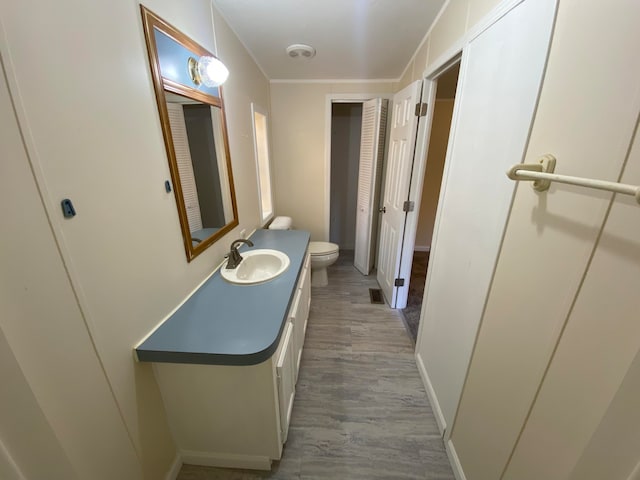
{"points": [[195, 135], [196, 129]]}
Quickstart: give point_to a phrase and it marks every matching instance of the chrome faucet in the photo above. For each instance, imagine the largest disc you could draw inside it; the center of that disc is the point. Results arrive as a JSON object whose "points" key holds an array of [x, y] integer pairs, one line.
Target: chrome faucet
{"points": [[234, 256]]}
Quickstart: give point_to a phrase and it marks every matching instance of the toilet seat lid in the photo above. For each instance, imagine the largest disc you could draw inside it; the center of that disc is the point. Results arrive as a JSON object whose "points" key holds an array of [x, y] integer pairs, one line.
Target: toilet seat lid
{"points": [[322, 248]]}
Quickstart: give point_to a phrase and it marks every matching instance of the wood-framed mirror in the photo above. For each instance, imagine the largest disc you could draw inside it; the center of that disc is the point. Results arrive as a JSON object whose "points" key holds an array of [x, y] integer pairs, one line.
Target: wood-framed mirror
{"points": [[195, 136]]}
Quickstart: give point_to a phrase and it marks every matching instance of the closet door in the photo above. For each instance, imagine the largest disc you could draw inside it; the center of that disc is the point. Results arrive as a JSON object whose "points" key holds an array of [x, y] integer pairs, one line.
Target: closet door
{"points": [[185, 166], [374, 124], [500, 76]]}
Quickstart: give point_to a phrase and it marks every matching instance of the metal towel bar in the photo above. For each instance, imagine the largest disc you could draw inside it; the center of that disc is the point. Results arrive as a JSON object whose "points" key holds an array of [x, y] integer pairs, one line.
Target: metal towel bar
{"points": [[542, 175]]}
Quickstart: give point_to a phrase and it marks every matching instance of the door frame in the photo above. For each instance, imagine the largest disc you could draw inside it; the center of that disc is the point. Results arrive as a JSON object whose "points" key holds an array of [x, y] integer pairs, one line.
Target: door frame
{"points": [[330, 99], [430, 76], [423, 137], [456, 52]]}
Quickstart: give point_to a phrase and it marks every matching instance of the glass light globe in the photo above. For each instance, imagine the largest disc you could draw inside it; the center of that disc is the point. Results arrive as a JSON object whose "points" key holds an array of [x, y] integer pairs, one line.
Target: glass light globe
{"points": [[212, 71]]}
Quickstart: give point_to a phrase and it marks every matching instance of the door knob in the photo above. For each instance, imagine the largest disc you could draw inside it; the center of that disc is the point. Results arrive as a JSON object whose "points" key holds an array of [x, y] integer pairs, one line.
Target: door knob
{"points": [[383, 210]]}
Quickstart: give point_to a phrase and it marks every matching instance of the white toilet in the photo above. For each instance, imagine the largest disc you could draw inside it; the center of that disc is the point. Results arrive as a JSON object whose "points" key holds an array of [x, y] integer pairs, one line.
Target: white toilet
{"points": [[323, 254]]}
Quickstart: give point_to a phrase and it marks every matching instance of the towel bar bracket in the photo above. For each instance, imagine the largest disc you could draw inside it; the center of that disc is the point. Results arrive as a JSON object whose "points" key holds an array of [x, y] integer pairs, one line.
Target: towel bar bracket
{"points": [[546, 164]]}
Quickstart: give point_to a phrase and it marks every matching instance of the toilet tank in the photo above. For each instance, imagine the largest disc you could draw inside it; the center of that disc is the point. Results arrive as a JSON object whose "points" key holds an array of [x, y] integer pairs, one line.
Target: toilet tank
{"points": [[281, 223]]}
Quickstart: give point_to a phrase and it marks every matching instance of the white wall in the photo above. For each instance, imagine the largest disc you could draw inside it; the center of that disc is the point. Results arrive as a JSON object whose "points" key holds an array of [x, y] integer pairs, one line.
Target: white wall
{"points": [[593, 365], [8, 468], [298, 145], [88, 113], [56, 405], [456, 18], [553, 297], [501, 74], [618, 433], [26, 433], [583, 421]]}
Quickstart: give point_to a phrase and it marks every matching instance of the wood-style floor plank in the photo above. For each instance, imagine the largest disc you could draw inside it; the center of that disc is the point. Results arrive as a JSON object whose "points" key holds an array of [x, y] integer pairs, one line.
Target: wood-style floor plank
{"points": [[360, 410]]}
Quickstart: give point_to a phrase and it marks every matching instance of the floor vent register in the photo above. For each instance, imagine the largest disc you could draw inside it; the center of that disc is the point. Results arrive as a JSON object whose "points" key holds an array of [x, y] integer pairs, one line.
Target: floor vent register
{"points": [[376, 295]]}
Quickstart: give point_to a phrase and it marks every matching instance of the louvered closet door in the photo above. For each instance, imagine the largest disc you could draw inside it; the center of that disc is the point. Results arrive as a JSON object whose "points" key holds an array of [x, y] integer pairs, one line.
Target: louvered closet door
{"points": [[185, 167], [374, 124]]}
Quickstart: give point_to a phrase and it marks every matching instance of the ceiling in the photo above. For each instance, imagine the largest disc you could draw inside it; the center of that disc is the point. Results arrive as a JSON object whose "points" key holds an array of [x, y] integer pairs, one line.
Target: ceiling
{"points": [[354, 39]]}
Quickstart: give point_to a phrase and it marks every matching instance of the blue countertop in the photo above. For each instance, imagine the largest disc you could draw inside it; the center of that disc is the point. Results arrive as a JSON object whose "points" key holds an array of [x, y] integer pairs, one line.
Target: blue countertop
{"points": [[227, 324]]}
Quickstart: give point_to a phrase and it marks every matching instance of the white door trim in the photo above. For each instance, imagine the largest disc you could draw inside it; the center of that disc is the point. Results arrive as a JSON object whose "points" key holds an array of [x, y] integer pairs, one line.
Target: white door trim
{"points": [[331, 98], [417, 178], [429, 96]]}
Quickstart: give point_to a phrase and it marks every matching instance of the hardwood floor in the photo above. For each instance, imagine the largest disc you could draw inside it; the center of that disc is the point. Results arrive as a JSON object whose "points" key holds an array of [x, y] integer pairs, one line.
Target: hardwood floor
{"points": [[411, 313], [360, 410]]}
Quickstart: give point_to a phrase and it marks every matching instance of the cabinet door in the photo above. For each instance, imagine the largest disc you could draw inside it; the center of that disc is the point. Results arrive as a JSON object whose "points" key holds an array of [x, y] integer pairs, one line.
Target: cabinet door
{"points": [[298, 332], [300, 312], [305, 289], [285, 372]]}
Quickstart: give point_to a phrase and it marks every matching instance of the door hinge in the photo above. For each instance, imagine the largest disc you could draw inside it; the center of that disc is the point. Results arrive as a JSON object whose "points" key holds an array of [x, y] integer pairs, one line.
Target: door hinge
{"points": [[421, 109], [408, 206], [399, 282]]}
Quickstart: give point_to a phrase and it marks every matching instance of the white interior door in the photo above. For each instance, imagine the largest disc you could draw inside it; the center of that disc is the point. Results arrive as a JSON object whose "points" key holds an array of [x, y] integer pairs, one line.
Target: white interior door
{"points": [[374, 125], [402, 144]]}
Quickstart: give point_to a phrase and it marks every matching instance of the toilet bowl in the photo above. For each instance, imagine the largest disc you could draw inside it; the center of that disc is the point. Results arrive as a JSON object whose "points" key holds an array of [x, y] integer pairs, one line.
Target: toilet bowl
{"points": [[323, 254]]}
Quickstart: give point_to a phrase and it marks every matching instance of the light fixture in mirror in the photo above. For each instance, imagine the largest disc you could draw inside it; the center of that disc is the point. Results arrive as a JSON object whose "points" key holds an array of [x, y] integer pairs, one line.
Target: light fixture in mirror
{"points": [[208, 70], [194, 129]]}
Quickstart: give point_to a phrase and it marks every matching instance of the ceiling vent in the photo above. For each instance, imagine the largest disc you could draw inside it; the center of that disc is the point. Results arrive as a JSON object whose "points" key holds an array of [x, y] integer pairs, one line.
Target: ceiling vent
{"points": [[299, 50]]}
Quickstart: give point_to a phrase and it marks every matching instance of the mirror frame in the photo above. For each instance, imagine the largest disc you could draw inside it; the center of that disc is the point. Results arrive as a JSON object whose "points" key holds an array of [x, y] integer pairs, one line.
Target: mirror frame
{"points": [[150, 21]]}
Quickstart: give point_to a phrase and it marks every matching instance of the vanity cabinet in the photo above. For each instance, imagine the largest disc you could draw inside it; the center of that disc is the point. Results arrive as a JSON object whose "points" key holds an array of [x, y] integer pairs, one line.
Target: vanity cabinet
{"points": [[238, 415]]}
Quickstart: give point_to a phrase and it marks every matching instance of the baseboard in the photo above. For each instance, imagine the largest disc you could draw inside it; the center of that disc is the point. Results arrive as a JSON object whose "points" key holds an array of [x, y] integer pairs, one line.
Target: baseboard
{"points": [[433, 400], [442, 424], [422, 248], [454, 461], [226, 460], [173, 472]]}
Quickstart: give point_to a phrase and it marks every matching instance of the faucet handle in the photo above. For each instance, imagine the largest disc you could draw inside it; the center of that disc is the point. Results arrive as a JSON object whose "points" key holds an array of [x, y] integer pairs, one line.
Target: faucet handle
{"points": [[234, 256], [240, 240]]}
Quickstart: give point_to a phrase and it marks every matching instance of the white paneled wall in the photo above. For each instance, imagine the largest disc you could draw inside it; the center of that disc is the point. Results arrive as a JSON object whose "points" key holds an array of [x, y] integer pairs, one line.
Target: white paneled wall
{"points": [[595, 353], [549, 290], [500, 76], [91, 127]]}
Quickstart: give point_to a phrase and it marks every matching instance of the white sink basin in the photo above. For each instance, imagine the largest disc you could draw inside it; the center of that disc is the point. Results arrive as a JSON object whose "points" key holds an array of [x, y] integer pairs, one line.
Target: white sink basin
{"points": [[257, 266]]}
